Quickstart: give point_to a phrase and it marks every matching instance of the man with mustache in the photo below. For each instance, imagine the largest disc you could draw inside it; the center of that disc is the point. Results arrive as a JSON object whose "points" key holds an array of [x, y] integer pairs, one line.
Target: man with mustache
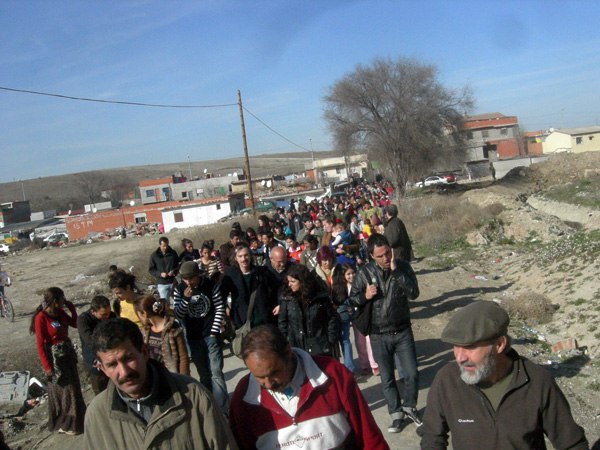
{"points": [[490, 397], [291, 399], [147, 406]]}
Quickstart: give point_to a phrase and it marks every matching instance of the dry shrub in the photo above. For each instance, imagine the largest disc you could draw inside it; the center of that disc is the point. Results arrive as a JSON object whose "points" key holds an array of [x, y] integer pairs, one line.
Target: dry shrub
{"points": [[530, 307], [437, 220], [495, 208]]}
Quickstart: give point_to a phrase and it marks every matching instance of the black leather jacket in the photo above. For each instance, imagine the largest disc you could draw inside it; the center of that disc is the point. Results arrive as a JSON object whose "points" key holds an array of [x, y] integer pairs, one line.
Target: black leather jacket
{"points": [[391, 311], [314, 327]]}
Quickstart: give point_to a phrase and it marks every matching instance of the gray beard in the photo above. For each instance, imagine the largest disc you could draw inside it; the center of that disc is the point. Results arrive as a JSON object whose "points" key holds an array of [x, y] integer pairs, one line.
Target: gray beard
{"points": [[482, 372]]}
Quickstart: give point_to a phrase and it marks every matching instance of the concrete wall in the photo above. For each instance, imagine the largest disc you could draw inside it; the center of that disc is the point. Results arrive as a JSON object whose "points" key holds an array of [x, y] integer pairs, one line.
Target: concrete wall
{"points": [[504, 166], [556, 142], [589, 142]]}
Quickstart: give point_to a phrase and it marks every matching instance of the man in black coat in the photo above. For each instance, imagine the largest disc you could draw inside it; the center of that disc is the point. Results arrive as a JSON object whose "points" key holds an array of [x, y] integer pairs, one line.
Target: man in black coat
{"points": [[396, 234], [163, 266]]}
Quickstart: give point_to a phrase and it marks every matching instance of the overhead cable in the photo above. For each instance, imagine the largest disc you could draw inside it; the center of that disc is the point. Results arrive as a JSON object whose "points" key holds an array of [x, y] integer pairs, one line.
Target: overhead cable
{"points": [[114, 101]]}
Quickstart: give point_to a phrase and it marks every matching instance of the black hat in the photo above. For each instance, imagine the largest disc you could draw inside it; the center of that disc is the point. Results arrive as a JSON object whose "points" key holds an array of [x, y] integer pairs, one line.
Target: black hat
{"points": [[478, 322]]}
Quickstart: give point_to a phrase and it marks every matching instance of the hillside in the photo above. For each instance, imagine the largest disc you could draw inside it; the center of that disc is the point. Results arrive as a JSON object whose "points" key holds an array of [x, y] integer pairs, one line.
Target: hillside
{"points": [[58, 192]]}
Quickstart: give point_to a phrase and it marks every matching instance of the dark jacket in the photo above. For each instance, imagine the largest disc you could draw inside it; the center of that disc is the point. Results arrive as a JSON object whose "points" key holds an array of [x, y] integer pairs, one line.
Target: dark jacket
{"points": [[163, 262], [532, 406], [396, 234], [189, 256], [234, 284], [86, 324], [391, 311], [313, 327]]}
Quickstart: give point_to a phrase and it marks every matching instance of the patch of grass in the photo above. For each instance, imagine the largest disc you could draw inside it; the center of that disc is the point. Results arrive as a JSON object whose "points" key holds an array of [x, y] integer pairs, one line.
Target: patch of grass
{"points": [[584, 245], [583, 192], [577, 302], [594, 386], [531, 308]]}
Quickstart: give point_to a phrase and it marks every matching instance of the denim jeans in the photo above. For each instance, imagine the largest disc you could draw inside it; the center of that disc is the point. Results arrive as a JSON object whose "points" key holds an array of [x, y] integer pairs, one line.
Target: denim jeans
{"points": [[164, 291], [386, 347], [346, 346], [207, 356]]}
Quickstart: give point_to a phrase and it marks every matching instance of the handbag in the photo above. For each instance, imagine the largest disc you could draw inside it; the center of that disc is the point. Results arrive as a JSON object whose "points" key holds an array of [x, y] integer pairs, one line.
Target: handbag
{"points": [[241, 332], [362, 318]]}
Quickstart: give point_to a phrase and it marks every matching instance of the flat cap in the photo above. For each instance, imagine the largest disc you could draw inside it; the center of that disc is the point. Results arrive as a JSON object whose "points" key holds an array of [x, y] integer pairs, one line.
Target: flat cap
{"points": [[480, 321], [189, 269]]}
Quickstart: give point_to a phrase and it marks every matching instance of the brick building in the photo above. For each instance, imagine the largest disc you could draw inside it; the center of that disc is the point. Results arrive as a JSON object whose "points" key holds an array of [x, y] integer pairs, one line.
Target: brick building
{"points": [[492, 136]]}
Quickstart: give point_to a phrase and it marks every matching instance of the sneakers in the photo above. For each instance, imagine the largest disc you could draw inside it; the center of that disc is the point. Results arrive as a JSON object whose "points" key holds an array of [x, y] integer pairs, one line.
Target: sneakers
{"points": [[68, 432], [396, 426], [413, 415]]}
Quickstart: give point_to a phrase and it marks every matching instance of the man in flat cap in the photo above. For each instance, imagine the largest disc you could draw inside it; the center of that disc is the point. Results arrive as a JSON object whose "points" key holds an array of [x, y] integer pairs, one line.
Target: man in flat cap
{"points": [[492, 398]]}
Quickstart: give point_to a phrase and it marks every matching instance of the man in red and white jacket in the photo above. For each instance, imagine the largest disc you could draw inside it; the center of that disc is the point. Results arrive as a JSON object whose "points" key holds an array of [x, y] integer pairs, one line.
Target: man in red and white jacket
{"points": [[292, 398]]}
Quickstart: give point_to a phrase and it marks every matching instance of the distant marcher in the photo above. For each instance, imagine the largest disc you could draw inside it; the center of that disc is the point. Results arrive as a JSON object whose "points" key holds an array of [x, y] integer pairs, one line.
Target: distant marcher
{"points": [[325, 264], [396, 234], [50, 324], [492, 398], [308, 257], [292, 399], [145, 406], [343, 274], [189, 253], [211, 266], [86, 324], [226, 250], [493, 171], [163, 335], [163, 266]]}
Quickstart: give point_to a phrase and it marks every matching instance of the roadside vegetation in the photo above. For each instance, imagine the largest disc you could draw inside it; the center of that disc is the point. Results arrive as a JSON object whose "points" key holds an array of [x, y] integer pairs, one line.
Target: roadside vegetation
{"points": [[582, 192]]}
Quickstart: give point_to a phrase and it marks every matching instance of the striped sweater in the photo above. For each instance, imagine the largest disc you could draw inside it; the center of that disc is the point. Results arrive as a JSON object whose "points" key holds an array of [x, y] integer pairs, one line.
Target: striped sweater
{"points": [[203, 311]]}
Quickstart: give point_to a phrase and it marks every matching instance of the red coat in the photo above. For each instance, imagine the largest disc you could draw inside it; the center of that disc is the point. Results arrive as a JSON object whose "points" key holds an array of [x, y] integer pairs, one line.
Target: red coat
{"points": [[52, 330], [332, 413]]}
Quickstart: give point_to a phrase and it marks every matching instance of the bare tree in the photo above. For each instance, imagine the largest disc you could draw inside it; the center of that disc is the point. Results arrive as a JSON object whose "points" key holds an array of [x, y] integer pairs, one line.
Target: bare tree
{"points": [[399, 113], [91, 185]]}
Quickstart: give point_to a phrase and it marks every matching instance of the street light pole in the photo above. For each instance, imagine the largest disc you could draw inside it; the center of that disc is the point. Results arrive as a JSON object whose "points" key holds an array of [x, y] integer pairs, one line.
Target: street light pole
{"points": [[190, 166]]}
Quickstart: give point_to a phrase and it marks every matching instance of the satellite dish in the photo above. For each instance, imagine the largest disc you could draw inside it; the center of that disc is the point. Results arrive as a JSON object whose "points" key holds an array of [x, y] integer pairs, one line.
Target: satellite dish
{"points": [[263, 182], [228, 174], [269, 183], [235, 174], [132, 203], [205, 170]]}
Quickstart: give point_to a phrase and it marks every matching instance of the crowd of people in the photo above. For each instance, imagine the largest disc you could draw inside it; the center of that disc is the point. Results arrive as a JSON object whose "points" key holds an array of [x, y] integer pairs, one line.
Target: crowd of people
{"points": [[297, 285]]}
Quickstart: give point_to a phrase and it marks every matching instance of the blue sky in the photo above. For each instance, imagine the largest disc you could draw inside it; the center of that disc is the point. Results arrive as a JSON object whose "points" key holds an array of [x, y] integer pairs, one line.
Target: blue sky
{"points": [[538, 60]]}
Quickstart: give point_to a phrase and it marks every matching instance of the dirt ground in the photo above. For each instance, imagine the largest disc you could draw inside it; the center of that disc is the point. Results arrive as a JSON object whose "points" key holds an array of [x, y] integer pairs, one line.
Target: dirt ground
{"points": [[487, 271]]}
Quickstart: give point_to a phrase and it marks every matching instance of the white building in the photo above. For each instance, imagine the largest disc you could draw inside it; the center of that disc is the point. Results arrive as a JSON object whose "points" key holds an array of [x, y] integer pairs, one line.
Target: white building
{"points": [[187, 216]]}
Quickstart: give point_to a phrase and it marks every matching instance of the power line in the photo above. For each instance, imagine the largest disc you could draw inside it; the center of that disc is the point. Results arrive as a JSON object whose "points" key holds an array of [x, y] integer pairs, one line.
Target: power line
{"points": [[276, 132], [154, 105]]}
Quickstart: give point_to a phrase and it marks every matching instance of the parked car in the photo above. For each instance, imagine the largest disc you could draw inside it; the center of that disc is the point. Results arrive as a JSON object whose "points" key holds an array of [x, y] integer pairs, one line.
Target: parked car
{"points": [[430, 181], [4, 248], [259, 207], [450, 178]]}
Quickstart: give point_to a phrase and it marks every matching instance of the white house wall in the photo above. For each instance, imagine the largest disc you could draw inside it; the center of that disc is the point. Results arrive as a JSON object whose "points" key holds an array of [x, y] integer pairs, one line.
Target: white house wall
{"points": [[201, 215]]}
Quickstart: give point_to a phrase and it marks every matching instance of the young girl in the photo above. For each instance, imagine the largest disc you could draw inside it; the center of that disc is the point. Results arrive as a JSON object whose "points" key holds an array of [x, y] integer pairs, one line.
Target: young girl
{"points": [[343, 274], [50, 324], [162, 335], [123, 287]]}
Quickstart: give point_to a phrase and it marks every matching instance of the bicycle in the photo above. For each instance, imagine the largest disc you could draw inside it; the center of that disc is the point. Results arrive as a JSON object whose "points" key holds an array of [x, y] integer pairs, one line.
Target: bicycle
{"points": [[6, 309]]}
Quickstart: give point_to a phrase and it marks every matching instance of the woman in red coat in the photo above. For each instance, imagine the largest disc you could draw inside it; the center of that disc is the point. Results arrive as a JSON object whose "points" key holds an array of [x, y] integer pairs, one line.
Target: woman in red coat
{"points": [[50, 324]]}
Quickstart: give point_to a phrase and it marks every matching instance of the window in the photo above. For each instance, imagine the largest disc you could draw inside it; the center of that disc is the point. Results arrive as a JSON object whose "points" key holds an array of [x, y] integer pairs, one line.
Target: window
{"points": [[338, 170], [218, 206], [485, 133], [503, 131], [149, 192], [590, 138], [184, 194], [469, 135], [139, 217], [578, 140], [178, 216]]}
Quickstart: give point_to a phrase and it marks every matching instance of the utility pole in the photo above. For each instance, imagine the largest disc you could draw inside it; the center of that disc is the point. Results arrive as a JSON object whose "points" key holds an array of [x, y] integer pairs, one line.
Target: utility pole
{"points": [[246, 160], [190, 167]]}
